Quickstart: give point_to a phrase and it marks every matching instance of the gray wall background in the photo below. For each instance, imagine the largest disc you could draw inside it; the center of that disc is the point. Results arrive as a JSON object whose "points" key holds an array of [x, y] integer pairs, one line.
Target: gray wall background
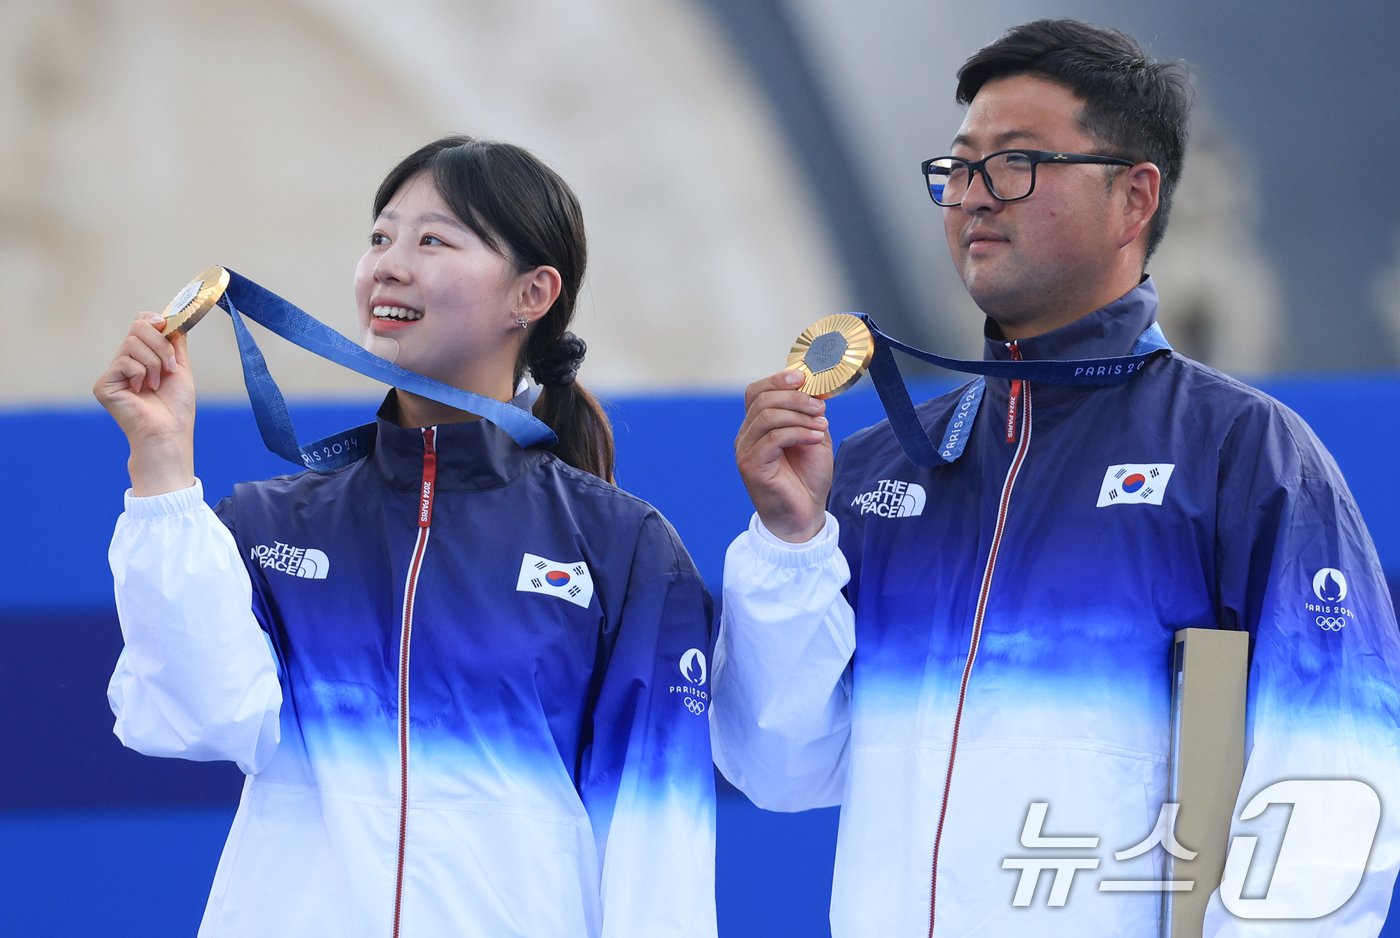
{"points": [[745, 168], [1284, 251]]}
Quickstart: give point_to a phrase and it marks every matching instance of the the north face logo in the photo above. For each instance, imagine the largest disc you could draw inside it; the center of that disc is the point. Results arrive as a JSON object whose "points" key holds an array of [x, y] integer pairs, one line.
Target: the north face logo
{"points": [[305, 562], [892, 498]]}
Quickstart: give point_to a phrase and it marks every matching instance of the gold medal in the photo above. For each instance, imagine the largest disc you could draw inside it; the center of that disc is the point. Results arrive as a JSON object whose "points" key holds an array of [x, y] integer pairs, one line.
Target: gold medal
{"points": [[832, 353], [196, 299]]}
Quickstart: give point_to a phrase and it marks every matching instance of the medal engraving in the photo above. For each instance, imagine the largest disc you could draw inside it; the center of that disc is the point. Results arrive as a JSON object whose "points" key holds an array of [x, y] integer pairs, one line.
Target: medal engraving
{"points": [[826, 352], [196, 299], [832, 354]]}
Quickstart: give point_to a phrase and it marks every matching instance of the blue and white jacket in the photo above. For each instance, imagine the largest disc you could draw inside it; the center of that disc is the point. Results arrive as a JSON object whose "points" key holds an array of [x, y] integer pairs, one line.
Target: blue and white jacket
{"points": [[963, 643], [466, 682]]}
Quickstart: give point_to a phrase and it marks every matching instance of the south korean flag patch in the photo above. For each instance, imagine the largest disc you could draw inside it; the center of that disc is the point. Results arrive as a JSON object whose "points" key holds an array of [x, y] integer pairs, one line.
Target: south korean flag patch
{"points": [[1135, 484], [569, 581]]}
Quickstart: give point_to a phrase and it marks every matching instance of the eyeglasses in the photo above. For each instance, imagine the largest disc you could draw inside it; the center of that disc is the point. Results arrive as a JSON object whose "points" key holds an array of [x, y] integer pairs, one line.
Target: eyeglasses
{"points": [[1008, 174]]}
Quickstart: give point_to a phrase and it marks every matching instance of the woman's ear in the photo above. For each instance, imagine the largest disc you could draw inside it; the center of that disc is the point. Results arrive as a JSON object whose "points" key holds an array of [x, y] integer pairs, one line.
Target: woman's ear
{"points": [[536, 292]]}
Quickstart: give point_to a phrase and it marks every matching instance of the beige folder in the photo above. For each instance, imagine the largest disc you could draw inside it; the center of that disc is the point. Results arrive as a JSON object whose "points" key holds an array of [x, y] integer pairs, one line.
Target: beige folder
{"points": [[1210, 669]]}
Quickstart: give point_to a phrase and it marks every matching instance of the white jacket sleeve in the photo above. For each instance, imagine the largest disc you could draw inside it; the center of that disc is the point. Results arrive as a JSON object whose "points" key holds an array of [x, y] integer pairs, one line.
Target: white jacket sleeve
{"points": [[197, 677], [780, 719]]}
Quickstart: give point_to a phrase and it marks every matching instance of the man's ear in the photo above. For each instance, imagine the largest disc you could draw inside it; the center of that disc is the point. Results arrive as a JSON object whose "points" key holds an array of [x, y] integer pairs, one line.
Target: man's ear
{"points": [[1143, 182]]}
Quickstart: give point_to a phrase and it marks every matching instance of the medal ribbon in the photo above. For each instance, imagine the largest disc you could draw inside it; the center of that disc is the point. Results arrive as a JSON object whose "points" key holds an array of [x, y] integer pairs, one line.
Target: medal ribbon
{"points": [[914, 439], [269, 310]]}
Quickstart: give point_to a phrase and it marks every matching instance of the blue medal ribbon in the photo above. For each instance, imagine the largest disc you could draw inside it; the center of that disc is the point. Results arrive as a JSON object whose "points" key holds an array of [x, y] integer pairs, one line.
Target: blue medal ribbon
{"points": [[914, 439], [269, 310]]}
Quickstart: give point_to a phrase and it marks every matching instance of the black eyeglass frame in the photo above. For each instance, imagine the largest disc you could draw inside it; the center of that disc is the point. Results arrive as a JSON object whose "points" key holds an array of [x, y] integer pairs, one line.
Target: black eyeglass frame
{"points": [[1036, 157]]}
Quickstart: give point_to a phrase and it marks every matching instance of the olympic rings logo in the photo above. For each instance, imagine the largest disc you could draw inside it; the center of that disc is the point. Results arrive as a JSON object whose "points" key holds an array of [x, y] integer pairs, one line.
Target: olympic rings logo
{"points": [[1330, 623], [696, 707]]}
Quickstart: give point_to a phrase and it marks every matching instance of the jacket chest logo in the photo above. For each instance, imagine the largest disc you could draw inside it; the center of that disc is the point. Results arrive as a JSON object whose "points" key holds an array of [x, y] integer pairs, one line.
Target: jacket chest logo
{"points": [[566, 580], [305, 563], [892, 498]]}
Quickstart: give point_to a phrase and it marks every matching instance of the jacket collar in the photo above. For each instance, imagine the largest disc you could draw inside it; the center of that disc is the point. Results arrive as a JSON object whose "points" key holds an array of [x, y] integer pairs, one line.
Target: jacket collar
{"points": [[471, 456], [1105, 333]]}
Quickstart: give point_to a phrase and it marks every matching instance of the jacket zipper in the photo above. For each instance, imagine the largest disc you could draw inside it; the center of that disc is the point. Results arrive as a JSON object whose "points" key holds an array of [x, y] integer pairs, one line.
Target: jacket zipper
{"points": [[1019, 390], [425, 518], [1014, 398]]}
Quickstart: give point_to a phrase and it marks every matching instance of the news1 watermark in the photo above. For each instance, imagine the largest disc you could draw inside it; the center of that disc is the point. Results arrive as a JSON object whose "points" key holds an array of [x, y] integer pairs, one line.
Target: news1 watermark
{"points": [[1304, 868]]}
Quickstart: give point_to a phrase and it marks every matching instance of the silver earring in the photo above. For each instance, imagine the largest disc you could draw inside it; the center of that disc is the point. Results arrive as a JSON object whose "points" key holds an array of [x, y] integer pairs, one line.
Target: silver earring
{"points": [[522, 322]]}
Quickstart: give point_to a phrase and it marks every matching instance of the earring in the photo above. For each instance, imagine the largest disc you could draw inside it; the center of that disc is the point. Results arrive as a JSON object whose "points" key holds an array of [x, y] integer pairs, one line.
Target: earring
{"points": [[522, 322]]}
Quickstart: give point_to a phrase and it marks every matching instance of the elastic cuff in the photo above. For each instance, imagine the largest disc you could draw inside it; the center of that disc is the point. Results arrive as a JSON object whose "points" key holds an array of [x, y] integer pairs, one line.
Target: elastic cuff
{"points": [[769, 547], [165, 504]]}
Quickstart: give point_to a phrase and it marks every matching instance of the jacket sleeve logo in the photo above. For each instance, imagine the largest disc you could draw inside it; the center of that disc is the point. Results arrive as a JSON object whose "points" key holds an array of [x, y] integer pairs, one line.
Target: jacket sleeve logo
{"points": [[1329, 585], [1135, 484], [566, 580], [694, 672]]}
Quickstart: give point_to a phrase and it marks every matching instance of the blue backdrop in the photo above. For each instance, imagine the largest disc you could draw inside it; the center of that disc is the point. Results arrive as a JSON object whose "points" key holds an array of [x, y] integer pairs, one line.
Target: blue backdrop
{"points": [[98, 840]]}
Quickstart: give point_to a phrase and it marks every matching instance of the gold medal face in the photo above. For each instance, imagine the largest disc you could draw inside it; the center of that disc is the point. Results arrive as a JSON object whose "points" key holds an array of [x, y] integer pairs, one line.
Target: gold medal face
{"points": [[832, 353], [196, 299]]}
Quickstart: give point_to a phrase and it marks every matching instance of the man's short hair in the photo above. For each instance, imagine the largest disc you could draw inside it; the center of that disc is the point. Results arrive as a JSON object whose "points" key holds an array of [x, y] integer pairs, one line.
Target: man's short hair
{"points": [[1136, 107]]}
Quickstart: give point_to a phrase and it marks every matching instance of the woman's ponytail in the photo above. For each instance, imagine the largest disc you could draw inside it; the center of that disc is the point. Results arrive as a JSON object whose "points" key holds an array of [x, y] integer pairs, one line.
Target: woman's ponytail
{"points": [[585, 434]]}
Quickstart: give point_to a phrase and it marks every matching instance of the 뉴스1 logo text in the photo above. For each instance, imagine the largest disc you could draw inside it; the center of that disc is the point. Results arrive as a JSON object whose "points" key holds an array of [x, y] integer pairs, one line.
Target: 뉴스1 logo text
{"points": [[1337, 817], [307, 563], [892, 498]]}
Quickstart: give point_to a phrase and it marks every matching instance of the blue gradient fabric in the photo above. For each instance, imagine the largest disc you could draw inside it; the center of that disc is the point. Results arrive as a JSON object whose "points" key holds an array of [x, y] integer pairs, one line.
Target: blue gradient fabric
{"points": [[976, 657], [551, 772]]}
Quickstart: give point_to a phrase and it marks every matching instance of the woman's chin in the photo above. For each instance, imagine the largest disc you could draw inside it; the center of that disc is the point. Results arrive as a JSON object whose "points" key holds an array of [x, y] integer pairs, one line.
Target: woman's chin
{"points": [[383, 346]]}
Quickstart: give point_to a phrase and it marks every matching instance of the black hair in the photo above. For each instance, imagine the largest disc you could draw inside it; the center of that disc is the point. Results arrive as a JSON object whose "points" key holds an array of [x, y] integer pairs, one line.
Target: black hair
{"points": [[524, 211], [1137, 107]]}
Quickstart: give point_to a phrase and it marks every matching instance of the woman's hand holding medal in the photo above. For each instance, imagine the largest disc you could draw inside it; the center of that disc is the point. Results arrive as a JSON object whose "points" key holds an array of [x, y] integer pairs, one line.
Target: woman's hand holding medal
{"points": [[149, 390]]}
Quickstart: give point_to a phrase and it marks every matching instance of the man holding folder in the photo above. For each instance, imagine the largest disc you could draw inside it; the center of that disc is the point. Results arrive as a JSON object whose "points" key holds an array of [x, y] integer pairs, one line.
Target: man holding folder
{"points": [[974, 659]]}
